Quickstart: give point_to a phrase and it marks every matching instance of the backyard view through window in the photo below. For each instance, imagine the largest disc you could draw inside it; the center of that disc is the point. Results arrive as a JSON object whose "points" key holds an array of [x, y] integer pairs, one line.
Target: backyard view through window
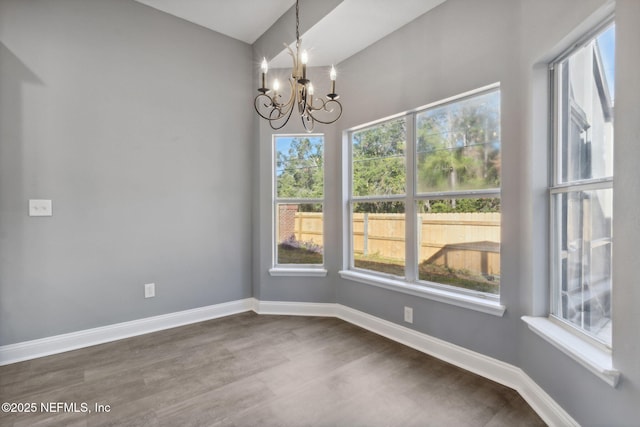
{"points": [[582, 188], [299, 197], [452, 216], [378, 187], [458, 155]]}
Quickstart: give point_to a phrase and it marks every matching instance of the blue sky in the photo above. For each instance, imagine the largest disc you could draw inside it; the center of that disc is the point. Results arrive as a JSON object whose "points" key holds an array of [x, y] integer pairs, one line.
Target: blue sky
{"points": [[283, 144], [606, 42]]}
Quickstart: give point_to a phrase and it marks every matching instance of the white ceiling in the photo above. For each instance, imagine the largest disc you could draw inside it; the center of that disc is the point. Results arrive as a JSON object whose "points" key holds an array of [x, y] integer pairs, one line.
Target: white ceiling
{"points": [[346, 30], [244, 20]]}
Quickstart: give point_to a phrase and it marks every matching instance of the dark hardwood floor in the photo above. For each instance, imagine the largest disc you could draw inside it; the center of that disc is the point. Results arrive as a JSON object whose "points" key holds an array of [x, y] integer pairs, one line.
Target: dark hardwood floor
{"points": [[250, 370]]}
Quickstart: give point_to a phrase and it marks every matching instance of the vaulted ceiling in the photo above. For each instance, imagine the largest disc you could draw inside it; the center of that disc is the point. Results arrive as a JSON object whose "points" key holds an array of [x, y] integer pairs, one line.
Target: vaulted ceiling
{"points": [[350, 27]]}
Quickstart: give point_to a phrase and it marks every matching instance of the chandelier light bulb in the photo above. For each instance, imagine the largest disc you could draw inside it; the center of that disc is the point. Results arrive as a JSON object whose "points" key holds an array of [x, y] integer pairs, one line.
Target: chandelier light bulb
{"points": [[305, 57], [276, 85], [265, 68], [332, 76], [310, 89]]}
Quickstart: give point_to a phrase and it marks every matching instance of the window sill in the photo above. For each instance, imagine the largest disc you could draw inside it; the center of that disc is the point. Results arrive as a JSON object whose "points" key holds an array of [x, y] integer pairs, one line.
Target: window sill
{"points": [[596, 360], [298, 272], [466, 301]]}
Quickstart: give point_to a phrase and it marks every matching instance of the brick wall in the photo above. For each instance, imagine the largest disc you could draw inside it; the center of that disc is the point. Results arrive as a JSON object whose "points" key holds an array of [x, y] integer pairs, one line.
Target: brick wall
{"points": [[286, 221]]}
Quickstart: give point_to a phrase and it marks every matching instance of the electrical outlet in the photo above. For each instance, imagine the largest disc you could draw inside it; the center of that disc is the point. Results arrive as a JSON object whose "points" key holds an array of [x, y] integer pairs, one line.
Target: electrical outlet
{"points": [[150, 290], [408, 314], [40, 207]]}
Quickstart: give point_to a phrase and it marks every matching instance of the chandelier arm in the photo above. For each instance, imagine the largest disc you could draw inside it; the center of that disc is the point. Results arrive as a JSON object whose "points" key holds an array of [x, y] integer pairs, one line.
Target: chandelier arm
{"points": [[295, 62], [288, 109], [324, 108], [302, 100], [272, 121], [257, 101], [276, 111], [309, 118], [292, 97]]}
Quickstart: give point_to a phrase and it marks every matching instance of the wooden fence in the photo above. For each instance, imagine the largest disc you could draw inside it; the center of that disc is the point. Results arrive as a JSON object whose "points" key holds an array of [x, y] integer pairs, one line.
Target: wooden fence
{"points": [[463, 241], [308, 227]]}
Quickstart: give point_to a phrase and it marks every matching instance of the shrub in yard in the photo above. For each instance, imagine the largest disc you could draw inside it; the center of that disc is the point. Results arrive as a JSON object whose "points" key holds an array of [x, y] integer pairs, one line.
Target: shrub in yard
{"points": [[291, 243]]}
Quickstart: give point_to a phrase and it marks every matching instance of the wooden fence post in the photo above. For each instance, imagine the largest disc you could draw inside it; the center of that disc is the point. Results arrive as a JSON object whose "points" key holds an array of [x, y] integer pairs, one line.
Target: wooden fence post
{"points": [[365, 235]]}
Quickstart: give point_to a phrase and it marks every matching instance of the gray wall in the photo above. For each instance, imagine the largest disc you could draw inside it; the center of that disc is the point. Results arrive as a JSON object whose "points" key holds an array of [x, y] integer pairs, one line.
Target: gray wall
{"points": [[459, 46], [134, 123]]}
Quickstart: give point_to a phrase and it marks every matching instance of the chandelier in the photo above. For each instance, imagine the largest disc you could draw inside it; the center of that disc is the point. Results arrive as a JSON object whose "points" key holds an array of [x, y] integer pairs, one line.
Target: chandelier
{"points": [[270, 103]]}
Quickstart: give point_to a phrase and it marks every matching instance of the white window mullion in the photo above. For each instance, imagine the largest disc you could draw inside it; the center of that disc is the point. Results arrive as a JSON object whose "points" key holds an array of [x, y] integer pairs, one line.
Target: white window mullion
{"points": [[411, 217]]}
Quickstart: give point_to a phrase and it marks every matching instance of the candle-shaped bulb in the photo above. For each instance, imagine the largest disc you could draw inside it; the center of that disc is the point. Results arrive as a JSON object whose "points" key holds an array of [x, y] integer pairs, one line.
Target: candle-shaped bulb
{"points": [[276, 85], [332, 76], [265, 68], [305, 57], [310, 92]]}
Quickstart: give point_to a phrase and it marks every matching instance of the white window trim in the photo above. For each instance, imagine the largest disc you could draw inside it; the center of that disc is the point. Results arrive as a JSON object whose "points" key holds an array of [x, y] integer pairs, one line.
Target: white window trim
{"points": [[294, 270], [593, 357], [574, 343], [572, 340], [284, 271], [477, 301]]}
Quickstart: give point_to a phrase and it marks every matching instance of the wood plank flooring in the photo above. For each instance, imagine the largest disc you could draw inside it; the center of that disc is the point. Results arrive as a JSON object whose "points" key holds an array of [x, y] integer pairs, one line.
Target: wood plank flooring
{"points": [[251, 370]]}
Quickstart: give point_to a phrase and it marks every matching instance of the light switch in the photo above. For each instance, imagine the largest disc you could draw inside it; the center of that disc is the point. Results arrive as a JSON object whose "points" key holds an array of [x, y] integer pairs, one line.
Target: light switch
{"points": [[39, 207]]}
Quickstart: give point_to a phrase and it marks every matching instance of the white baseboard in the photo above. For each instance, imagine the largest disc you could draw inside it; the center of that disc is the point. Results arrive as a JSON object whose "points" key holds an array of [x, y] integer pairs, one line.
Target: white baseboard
{"points": [[296, 308], [493, 369], [27, 350]]}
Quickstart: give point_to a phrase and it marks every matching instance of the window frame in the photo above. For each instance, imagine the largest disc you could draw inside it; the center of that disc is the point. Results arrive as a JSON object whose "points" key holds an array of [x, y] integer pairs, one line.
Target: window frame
{"points": [[409, 283], [277, 269], [376, 198], [557, 186]]}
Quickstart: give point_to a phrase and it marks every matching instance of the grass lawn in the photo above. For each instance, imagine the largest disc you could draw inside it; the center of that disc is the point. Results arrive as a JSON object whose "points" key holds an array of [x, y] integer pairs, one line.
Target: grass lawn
{"points": [[432, 273], [379, 264], [460, 278]]}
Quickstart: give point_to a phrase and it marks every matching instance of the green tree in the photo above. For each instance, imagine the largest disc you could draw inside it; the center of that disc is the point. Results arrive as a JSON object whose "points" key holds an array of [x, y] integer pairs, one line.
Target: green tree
{"points": [[459, 149], [300, 170], [379, 165]]}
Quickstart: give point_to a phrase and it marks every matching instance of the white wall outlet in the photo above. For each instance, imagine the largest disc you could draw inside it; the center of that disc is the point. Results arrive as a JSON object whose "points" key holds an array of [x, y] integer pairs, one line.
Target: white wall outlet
{"points": [[39, 207], [408, 314], [150, 290]]}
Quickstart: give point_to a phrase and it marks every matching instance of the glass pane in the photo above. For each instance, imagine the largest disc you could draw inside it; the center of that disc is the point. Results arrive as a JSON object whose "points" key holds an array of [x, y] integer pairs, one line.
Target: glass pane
{"points": [[299, 233], [585, 111], [583, 260], [299, 167], [379, 159], [459, 243], [458, 145], [378, 237]]}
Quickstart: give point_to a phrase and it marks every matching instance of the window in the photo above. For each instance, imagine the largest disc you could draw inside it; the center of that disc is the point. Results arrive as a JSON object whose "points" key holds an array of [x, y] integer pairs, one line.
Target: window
{"points": [[298, 201], [378, 202], [425, 196], [582, 185], [458, 193]]}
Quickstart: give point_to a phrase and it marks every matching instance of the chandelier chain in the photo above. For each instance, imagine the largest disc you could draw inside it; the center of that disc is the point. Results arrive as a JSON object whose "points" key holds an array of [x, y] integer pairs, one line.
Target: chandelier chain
{"points": [[297, 22]]}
